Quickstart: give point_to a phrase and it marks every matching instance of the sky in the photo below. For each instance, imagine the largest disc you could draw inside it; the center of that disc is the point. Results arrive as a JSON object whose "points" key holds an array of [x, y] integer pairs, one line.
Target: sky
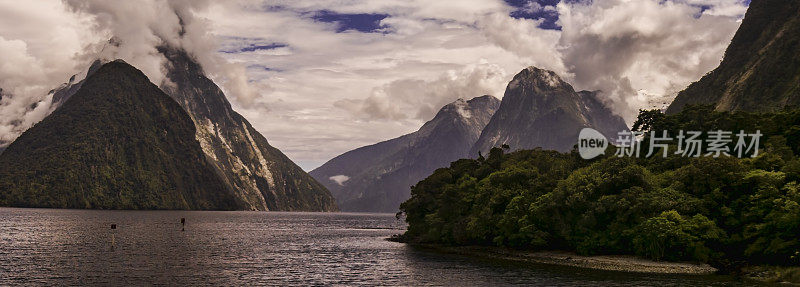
{"points": [[321, 77]]}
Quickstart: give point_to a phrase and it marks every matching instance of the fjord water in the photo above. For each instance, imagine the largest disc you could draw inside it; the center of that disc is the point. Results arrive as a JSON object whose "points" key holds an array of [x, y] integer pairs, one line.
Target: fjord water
{"points": [[74, 247]]}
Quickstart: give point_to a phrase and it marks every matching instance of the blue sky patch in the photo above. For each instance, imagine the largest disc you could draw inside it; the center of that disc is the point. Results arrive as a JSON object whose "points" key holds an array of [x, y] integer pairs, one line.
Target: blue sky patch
{"points": [[234, 45], [365, 23], [536, 9], [544, 10], [260, 67]]}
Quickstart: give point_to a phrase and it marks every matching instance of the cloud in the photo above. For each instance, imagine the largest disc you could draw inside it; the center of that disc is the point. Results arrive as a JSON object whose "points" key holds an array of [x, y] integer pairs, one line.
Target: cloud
{"points": [[339, 179], [40, 46], [534, 46], [140, 27], [422, 99], [24, 101], [634, 48]]}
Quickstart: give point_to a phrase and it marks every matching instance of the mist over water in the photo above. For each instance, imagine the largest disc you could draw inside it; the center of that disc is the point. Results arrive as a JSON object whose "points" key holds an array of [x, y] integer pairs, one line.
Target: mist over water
{"points": [[73, 247]]}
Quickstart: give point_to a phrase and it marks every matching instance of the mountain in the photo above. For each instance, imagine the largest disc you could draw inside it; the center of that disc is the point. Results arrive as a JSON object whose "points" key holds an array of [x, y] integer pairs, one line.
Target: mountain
{"points": [[119, 142], [379, 177], [539, 109], [262, 176], [761, 68]]}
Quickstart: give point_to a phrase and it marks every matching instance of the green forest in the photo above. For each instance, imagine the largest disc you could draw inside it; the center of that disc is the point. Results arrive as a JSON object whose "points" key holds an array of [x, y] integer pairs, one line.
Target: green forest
{"points": [[118, 143], [725, 211]]}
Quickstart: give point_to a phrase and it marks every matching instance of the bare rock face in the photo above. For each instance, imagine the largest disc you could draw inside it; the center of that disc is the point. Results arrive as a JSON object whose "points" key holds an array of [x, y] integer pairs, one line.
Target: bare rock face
{"points": [[759, 72], [540, 110], [261, 175], [379, 177]]}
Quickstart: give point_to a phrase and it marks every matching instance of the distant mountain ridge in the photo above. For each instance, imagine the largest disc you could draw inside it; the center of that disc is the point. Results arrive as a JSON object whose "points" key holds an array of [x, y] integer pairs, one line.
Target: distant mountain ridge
{"points": [[379, 177], [761, 68], [539, 109], [119, 142]]}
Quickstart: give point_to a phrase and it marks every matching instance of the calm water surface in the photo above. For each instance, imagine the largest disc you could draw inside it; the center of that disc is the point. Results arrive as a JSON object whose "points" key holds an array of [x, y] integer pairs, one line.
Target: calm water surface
{"points": [[74, 247]]}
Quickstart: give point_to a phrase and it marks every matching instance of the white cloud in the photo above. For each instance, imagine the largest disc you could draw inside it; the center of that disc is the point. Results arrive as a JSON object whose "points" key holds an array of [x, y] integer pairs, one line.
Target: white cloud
{"points": [[40, 46], [629, 48], [534, 46], [339, 179], [421, 99], [140, 27]]}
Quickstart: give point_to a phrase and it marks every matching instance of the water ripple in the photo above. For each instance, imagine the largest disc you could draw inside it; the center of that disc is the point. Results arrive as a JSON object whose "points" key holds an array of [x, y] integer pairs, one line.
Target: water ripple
{"points": [[74, 247]]}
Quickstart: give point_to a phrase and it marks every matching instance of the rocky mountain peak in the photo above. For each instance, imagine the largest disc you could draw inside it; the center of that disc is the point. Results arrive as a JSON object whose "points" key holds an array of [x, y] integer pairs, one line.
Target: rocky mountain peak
{"points": [[464, 109], [540, 79], [539, 109], [460, 107], [483, 102]]}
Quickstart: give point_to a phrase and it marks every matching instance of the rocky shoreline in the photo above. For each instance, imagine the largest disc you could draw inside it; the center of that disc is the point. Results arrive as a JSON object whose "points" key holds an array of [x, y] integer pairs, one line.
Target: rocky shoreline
{"points": [[622, 263]]}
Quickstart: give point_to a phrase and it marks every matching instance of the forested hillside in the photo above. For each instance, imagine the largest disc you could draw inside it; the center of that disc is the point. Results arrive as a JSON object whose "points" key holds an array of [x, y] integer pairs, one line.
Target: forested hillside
{"points": [[726, 211], [118, 143]]}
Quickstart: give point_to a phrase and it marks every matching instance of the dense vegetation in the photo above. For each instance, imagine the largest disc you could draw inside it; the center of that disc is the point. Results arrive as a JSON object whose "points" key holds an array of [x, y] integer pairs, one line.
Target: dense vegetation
{"points": [[118, 143], [726, 211]]}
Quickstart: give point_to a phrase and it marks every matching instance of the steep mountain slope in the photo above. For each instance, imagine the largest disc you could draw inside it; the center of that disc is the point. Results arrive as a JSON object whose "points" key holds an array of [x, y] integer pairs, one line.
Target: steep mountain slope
{"points": [[262, 176], [761, 68], [541, 110], [119, 142], [378, 177]]}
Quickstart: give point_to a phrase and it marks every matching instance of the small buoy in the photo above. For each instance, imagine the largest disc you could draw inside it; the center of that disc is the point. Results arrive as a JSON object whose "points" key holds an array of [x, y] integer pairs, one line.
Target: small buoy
{"points": [[113, 227]]}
